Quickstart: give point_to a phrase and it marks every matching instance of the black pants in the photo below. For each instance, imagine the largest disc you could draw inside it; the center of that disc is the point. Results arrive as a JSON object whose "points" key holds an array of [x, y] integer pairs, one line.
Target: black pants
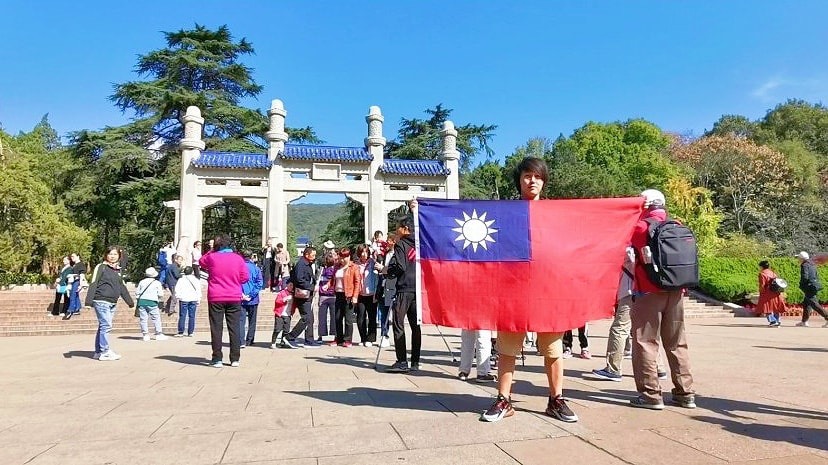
{"points": [[305, 322], [219, 311], [344, 318], [280, 325], [406, 306], [57, 308], [582, 338], [367, 318], [197, 270], [812, 303]]}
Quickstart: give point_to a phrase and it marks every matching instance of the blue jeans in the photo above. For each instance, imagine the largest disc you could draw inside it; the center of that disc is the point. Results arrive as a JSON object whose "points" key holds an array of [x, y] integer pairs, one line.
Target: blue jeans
{"points": [[74, 298], [186, 310], [383, 317], [774, 318], [248, 316], [106, 313]]}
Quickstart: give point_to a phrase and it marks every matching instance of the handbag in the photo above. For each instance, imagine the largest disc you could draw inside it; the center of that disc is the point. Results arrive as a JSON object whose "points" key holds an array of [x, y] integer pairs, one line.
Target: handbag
{"points": [[301, 293]]}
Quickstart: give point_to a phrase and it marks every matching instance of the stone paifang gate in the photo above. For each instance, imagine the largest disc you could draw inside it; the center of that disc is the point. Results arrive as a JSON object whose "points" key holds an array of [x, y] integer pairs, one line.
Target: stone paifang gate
{"points": [[270, 181]]}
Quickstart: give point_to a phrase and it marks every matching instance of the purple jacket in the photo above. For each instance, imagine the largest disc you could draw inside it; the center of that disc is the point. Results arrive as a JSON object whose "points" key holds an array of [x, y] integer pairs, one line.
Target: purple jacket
{"points": [[327, 276], [227, 274]]}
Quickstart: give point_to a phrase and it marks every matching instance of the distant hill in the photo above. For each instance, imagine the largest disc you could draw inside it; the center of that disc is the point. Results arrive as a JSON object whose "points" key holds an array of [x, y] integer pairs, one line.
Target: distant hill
{"points": [[309, 219]]}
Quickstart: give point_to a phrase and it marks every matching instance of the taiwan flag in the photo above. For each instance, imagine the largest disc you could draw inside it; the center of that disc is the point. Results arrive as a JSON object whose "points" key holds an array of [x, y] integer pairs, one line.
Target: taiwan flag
{"points": [[517, 265]]}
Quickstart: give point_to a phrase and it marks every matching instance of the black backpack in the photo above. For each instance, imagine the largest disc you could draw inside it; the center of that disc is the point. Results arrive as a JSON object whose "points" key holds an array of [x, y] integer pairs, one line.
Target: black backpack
{"points": [[674, 263]]}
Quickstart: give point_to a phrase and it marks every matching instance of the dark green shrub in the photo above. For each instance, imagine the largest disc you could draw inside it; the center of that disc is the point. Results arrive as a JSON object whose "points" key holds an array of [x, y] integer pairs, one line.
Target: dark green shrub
{"points": [[7, 278], [731, 279]]}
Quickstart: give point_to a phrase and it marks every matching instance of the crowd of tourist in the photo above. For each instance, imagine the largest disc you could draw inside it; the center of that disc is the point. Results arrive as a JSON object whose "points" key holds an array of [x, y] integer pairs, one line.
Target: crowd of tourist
{"points": [[372, 287]]}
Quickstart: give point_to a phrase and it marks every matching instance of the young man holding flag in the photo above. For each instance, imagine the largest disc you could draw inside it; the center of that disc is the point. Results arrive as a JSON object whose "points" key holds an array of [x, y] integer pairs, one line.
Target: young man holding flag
{"points": [[531, 175]]}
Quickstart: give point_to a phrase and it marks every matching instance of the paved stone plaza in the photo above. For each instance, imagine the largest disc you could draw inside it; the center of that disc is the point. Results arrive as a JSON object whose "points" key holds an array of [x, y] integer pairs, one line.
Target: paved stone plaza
{"points": [[763, 400]]}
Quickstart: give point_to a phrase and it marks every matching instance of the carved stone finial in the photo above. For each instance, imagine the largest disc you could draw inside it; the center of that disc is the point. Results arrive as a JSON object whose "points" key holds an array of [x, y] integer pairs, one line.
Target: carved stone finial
{"points": [[374, 120], [277, 116], [193, 123], [450, 141]]}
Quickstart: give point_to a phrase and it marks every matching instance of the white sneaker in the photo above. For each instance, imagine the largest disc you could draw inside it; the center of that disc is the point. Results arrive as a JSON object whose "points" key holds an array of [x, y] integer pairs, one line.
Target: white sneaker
{"points": [[161, 337], [146, 337], [274, 346], [234, 364], [826, 324], [109, 356], [803, 324], [369, 344], [217, 364], [385, 342]]}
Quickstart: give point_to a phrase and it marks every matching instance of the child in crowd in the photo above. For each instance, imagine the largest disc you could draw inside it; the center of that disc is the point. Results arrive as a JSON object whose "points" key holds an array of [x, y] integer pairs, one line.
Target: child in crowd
{"points": [[188, 291], [282, 311]]}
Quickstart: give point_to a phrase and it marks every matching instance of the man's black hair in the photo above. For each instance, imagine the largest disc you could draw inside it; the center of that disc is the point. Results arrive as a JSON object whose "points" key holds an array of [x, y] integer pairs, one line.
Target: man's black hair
{"points": [[531, 165]]}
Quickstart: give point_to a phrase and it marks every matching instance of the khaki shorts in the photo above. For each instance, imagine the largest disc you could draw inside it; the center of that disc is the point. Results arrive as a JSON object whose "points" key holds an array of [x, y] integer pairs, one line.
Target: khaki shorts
{"points": [[549, 344]]}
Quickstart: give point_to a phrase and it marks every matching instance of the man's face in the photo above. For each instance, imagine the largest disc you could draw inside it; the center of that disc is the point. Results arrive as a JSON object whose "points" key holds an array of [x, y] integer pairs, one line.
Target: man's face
{"points": [[179, 259], [531, 186], [311, 256], [75, 258]]}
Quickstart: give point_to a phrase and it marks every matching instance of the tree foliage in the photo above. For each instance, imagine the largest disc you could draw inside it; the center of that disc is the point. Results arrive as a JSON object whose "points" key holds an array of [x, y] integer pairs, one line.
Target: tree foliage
{"points": [[421, 139]]}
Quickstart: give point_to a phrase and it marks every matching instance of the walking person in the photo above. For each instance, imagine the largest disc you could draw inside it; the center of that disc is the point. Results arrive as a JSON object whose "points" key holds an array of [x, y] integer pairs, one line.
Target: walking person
{"points": [[250, 301], [188, 291], [282, 311], [327, 299], [227, 272], [771, 300], [195, 256], [148, 294], [75, 282], [477, 342], [62, 288], [173, 275], [346, 284], [402, 268], [530, 177], [282, 264], [366, 308], [268, 264], [657, 313], [386, 291], [105, 288], [583, 341], [810, 285], [303, 288]]}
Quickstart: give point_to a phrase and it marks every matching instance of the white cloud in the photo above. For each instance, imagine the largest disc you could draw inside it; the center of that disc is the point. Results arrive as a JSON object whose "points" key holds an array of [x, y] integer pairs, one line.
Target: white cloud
{"points": [[777, 89]]}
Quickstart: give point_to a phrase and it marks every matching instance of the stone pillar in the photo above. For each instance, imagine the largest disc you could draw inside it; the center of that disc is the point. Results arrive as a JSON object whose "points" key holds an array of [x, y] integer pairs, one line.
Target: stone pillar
{"points": [[276, 214], [189, 215], [451, 160], [376, 219]]}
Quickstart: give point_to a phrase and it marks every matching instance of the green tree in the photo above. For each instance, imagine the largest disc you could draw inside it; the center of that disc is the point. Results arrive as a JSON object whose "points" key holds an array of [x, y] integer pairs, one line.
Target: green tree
{"points": [[752, 185], [35, 230], [733, 125], [121, 175], [419, 139]]}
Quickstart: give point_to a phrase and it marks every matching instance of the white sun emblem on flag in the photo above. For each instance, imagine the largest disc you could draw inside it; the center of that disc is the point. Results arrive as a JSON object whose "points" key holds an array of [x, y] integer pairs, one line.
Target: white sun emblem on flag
{"points": [[474, 230]]}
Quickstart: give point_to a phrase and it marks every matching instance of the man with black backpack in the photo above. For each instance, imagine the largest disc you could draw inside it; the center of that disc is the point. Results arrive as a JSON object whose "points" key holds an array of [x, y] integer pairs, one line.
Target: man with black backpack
{"points": [[666, 263]]}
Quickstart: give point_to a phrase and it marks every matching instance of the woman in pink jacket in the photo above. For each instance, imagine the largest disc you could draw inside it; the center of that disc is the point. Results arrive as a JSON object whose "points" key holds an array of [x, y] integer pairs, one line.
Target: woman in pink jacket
{"points": [[227, 272]]}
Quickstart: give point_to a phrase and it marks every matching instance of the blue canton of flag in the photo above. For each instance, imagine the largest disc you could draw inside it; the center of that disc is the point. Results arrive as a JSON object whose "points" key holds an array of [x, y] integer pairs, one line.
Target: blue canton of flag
{"points": [[474, 230]]}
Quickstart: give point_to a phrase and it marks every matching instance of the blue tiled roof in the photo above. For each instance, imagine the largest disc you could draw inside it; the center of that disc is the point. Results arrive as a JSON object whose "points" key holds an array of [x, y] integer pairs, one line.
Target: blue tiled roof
{"points": [[249, 161], [325, 153], [414, 167]]}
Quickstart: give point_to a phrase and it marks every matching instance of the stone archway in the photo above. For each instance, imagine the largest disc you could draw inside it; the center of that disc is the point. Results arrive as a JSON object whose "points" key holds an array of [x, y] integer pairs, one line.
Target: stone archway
{"points": [[287, 172]]}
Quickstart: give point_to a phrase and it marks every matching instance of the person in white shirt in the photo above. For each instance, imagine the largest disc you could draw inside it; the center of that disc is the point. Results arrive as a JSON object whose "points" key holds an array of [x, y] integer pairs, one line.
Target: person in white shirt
{"points": [[188, 291], [149, 292]]}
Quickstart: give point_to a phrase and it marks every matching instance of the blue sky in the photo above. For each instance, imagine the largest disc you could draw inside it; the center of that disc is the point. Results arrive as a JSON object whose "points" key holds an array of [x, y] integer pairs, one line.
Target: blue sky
{"points": [[532, 68]]}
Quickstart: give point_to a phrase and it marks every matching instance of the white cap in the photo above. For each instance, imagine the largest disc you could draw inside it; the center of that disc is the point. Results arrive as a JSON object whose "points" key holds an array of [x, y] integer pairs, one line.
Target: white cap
{"points": [[328, 244], [653, 198], [803, 255], [151, 272]]}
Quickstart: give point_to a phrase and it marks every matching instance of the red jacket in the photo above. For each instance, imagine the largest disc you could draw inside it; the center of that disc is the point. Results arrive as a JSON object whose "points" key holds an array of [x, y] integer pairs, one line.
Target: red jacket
{"points": [[640, 240]]}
